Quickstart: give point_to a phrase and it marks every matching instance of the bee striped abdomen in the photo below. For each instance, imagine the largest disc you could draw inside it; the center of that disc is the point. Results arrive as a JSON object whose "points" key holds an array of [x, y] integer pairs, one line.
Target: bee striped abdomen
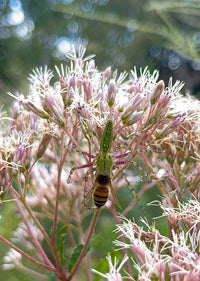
{"points": [[100, 196], [101, 192]]}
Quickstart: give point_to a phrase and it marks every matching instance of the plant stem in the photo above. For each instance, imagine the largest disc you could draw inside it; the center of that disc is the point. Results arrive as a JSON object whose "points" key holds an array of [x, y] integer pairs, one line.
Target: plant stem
{"points": [[37, 244], [59, 168], [51, 244], [92, 227], [39, 226], [32, 272], [9, 244]]}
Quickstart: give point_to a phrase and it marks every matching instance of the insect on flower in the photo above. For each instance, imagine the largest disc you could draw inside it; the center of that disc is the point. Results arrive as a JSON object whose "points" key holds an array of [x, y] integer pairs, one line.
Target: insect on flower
{"points": [[103, 164]]}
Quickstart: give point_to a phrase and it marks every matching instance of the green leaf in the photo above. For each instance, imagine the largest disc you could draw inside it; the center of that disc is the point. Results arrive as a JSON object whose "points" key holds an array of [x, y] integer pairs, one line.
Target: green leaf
{"points": [[101, 267], [60, 239], [75, 255], [51, 276]]}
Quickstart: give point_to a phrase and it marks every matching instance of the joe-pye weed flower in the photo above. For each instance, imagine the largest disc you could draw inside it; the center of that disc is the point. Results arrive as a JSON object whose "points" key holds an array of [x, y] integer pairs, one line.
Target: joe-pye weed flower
{"points": [[49, 161]]}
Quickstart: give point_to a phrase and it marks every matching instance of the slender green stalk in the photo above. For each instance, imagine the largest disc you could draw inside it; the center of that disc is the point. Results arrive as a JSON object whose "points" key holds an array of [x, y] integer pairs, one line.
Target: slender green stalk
{"points": [[92, 227]]}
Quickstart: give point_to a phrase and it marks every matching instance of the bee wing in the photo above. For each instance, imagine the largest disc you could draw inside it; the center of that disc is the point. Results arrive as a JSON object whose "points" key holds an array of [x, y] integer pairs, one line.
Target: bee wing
{"points": [[90, 191], [88, 195], [114, 196]]}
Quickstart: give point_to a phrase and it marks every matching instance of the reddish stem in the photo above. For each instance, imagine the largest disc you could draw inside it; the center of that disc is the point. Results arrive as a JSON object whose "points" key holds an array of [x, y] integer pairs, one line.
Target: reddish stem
{"points": [[92, 227], [37, 244], [51, 244], [9, 244]]}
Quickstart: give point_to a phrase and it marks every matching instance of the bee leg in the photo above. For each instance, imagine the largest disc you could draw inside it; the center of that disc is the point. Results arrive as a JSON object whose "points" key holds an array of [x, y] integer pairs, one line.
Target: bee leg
{"points": [[87, 197], [85, 188]]}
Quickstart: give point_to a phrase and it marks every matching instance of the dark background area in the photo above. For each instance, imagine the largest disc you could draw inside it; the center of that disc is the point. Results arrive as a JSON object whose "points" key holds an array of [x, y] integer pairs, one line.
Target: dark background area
{"points": [[161, 34]]}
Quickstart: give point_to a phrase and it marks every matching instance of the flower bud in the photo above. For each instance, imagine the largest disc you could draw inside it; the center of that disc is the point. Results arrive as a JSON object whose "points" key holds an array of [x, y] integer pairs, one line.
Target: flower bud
{"points": [[3, 180], [63, 82], [133, 107], [164, 100], [196, 179], [139, 251], [161, 108], [35, 109], [87, 90], [63, 85], [111, 93], [181, 156], [20, 154], [170, 151], [72, 83], [54, 109], [83, 112], [171, 127], [70, 91], [174, 225], [131, 89], [57, 114], [91, 67], [157, 92], [43, 145], [69, 97], [107, 73], [133, 119]]}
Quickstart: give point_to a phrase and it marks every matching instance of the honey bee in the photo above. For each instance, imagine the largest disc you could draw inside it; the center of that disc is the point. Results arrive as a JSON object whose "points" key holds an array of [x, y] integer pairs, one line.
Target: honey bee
{"points": [[101, 189]]}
